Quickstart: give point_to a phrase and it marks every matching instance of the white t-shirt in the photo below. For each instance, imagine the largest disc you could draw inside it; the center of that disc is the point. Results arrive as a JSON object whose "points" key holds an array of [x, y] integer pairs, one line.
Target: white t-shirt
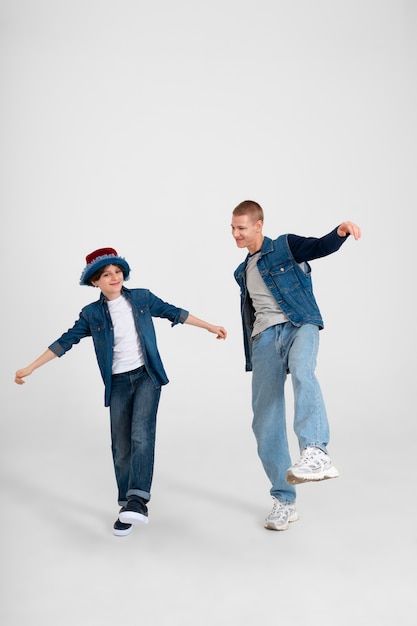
{"points": [[127, 353]]}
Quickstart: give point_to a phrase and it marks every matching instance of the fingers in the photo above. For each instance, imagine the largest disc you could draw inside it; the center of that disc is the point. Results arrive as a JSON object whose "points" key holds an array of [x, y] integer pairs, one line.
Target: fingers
{"points": [[221, 332], [354, 230], [20, 374], [350, 228]]}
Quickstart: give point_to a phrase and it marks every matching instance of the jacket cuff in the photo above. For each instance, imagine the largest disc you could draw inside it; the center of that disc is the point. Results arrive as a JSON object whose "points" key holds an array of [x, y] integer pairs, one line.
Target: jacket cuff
{"points": [[181, 317], [57, 348]]}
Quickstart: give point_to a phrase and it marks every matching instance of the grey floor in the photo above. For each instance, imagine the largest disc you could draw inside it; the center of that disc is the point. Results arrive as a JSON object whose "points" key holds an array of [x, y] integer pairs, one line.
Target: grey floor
{"points": [[204, 557]]}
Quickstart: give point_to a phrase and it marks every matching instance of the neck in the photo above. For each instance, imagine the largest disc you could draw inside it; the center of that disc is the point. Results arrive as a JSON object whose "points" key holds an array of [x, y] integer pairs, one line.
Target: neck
{"points": [[257, 245]]}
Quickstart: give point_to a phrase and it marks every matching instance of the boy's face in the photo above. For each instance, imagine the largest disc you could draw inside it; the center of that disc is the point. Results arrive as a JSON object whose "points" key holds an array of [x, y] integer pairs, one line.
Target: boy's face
{"points": [[246, 232], [110, 282]]}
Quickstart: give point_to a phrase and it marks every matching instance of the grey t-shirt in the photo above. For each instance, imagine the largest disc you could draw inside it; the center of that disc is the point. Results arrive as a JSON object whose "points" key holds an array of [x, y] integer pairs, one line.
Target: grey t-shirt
{"points": [[267, 311]]}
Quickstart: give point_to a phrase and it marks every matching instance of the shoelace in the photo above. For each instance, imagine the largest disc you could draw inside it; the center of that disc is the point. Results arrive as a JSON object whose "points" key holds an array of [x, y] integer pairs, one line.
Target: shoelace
{"points": [[310, 452], [312, 457], [278, 509]]}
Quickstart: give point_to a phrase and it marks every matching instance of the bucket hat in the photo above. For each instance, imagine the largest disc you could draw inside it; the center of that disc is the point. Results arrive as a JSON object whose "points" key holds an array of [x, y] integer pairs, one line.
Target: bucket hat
{"points": [[100, 258]]}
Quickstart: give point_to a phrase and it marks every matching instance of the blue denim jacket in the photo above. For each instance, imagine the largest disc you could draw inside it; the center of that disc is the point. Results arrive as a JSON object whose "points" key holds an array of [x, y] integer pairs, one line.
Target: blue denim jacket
{"points": [[95, 321], [290, 284]]}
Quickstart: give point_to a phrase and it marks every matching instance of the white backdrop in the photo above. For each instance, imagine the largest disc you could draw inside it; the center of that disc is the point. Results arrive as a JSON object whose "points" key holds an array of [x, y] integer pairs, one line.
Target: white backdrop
{"points": [[140, 126]]}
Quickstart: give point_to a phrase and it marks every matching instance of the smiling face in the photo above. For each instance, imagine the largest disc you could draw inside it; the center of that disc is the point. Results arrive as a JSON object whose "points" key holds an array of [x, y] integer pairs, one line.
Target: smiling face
{"points": [[247, 232], [110, 282]]}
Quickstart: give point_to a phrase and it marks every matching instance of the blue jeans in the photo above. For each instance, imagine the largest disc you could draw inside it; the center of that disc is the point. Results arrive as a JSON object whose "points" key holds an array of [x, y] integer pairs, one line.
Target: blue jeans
{"points": [[134, 404], [277, 351]]}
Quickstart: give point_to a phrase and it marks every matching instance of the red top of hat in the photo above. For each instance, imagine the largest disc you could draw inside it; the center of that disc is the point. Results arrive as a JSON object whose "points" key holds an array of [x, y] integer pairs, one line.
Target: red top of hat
{"points": [[100, 252]]}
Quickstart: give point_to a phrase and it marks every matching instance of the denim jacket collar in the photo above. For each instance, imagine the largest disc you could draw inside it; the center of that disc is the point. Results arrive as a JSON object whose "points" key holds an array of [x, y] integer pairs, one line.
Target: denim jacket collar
{"points": [[124, 292]]}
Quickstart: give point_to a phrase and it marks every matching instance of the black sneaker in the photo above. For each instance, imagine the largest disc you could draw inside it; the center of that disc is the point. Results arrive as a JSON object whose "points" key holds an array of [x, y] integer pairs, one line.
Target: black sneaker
{"points": [[120, 529], [135, 512]]}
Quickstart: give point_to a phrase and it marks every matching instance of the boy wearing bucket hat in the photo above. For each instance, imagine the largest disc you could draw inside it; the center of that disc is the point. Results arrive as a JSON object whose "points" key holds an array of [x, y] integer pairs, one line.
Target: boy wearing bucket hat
{"points": [[120, 324]]}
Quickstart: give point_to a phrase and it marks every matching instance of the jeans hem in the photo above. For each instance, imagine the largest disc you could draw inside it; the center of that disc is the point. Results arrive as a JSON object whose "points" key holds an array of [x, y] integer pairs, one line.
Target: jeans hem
{"points": [[321, 446], [139, 492], [284, 501]]}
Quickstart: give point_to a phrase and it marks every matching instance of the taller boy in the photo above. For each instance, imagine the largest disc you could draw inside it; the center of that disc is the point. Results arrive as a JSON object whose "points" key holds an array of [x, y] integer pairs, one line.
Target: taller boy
{"points": [[281, 323]]}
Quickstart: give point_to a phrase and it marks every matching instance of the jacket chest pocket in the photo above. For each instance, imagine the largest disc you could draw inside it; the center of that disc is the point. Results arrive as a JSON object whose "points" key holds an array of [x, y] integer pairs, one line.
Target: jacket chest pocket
{"points": [[284, 276], [99, 334], [143, 316]]}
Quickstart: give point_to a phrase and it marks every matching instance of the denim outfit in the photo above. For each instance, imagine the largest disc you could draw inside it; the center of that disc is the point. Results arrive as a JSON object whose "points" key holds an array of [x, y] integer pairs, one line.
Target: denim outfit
{"points": [[133, 397], [290, 347]]}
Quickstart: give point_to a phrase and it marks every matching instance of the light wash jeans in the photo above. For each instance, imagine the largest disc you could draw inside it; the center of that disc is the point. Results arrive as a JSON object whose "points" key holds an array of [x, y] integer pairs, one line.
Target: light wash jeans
{"points": [[134, 404], [277, 351]]}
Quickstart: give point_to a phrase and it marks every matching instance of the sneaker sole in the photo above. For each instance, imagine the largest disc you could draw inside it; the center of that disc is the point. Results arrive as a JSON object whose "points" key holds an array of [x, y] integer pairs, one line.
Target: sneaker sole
{"points": [[271, 526], [293, 479], [129, 517]]}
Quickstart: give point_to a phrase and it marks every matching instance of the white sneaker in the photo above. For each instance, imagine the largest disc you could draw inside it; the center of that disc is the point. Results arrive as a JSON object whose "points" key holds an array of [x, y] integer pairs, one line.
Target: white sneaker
{"points": [[314, 464], [281, 515]]}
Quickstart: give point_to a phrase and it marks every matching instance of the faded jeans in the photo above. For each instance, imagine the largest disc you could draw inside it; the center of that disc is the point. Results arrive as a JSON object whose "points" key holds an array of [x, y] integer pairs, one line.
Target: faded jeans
{"points": [[277, 351]]}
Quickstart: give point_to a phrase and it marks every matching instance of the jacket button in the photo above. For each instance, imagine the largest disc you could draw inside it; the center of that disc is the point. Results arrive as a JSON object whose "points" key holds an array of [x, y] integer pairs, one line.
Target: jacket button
{"points": [[282, 269]]}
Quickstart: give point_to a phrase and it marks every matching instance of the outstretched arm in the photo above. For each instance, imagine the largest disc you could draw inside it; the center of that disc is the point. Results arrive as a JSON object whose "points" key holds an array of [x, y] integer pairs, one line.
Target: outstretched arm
{"points": [[349, 228], [48, 355], [310, 248], [217, 330]]}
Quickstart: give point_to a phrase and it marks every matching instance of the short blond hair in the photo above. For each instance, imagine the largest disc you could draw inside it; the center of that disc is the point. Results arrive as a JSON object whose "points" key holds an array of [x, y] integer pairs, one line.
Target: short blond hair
{"points": [[250, 208]]}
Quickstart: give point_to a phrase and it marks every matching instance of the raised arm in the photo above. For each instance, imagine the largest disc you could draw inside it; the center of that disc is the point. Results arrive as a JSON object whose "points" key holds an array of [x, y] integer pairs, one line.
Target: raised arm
{"points": [[217, 330], [310, 248], [47, 356]]}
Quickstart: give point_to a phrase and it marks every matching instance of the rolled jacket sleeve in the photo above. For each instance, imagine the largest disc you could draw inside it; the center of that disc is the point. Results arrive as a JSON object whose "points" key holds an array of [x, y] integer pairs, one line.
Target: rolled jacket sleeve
{"points": [[73, 336]]}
